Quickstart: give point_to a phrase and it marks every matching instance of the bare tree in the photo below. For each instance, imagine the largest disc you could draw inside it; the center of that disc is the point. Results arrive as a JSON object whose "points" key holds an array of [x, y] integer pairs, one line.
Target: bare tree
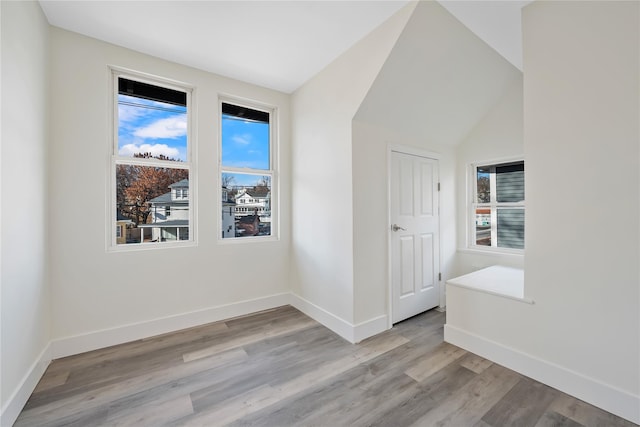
{"points": [[227, 179], [265, 181], [137, 185]]}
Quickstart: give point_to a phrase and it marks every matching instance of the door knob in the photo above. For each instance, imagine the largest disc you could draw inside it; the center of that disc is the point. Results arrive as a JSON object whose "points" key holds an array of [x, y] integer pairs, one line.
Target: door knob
{"points": [[396, 227]]}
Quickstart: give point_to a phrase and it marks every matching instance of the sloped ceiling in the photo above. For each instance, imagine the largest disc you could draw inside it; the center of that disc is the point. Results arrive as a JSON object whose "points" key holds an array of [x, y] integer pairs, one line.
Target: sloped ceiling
{"points": [[439, 80], [274, 44], [497, 23]]}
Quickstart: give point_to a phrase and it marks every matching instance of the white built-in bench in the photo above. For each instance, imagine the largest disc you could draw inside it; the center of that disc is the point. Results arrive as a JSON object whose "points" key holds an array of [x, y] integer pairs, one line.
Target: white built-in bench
{"points": [[498, 280]]}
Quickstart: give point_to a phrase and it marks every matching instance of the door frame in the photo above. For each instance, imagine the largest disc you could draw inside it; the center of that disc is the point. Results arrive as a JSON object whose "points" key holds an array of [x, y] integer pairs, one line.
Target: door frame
{"points": [[419, 152]]}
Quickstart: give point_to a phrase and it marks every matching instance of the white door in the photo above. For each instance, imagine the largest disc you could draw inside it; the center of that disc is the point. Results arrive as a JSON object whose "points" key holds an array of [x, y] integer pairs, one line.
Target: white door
{"points": [[415, 239]]}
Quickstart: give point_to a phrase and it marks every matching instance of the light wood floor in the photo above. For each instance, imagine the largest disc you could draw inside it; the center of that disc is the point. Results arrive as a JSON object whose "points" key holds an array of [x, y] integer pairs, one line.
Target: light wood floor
{"points": [[280, 368]]}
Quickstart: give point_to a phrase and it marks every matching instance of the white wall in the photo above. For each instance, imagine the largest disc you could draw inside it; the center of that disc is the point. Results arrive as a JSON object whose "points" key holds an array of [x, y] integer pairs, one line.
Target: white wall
{"points": [[371, 213], [322, 239], [438, 82], [581, 86], [95, 291], [24, 287], [581, 133], [498, 136]]}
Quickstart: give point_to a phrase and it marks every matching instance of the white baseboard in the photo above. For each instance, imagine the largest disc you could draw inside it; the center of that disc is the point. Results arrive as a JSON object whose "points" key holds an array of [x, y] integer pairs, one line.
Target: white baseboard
{"points": [[320, 315], [371, 327], [347, 330], [68, 346], [604, 396], [19, 398], [107, 337], [77, 344]]}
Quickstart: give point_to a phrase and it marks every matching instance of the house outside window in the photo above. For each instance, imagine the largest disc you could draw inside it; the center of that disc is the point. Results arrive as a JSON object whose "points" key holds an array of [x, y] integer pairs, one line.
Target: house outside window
{"points": [[497, 209], [247, 171], [151, 162]]}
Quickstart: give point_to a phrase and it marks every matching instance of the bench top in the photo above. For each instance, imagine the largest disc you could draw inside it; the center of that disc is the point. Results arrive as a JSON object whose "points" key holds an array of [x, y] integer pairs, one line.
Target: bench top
{"points": [[497, 279]]}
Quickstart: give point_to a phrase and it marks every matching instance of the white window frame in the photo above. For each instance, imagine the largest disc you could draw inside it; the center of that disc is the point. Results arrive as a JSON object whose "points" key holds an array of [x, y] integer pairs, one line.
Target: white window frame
{"points": [[273, 169], [115, 159], [493, 205]]}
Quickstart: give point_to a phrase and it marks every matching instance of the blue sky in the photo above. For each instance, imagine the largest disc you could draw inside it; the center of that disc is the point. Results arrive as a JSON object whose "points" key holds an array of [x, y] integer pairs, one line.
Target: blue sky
{"points": [[151, 127], [245, 144], [161, 128]]}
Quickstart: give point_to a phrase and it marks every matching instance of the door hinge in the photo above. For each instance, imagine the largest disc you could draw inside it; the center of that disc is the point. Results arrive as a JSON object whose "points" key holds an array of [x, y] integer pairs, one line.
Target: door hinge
{"points": [[438, 186], [439, 277]]}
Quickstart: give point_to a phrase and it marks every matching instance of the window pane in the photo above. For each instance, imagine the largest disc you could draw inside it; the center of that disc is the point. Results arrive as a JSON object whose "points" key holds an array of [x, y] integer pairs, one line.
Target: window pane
{"points": [[245, 138], [483, 226], [511, 228], [246, 205], [146, 206], [483, 189], [152, 121], [510, 183]]}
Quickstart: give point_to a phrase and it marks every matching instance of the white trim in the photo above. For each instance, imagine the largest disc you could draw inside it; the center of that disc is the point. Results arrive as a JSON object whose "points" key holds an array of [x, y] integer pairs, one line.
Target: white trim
{"points": [[18, 399], [471, 197], [114, 159], [336, 324], [107, 337], [477, 251], [152, 79], [597, 393], [77, 344], [369, 328], [498, 280], [405, 149], [273, 171], [486, 291], [390, 149], [347, 330], [414, 151]]}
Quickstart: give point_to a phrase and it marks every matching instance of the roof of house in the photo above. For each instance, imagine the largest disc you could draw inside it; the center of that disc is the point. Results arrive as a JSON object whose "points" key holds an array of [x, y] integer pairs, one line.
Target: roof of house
{"points": [[260, 192], [165, 199], [180, 184], [122, 218]]}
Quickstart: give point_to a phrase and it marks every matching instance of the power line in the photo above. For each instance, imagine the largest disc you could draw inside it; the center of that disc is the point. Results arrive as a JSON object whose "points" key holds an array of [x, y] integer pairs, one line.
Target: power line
{"points": [[151, 107]]}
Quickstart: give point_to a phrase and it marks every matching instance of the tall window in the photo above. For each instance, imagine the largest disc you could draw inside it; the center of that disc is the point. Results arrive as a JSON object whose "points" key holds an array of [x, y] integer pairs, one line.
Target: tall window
{"points": [[151, 162], [247, 172], [497, 210]]}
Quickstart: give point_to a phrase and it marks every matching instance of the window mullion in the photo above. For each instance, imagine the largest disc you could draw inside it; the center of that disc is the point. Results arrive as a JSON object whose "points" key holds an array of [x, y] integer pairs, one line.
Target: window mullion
{"points": [[494, 210], [491, 183], [151, 162], [246, 171]]}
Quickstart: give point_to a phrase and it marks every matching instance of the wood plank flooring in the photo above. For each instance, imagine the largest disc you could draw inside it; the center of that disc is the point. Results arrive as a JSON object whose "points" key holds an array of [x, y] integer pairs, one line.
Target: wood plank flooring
{"points": [[280, 368]]}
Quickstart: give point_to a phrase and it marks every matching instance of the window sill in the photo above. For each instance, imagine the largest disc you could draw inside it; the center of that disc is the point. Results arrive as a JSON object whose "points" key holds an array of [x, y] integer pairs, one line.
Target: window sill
{"points": [[496, 280], [245, 240], [499, 252], [136, 247]]}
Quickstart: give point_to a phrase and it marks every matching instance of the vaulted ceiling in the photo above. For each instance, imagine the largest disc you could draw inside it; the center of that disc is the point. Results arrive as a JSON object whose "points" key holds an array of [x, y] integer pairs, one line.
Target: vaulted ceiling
{"points": [[439, 80], [275, 44]]}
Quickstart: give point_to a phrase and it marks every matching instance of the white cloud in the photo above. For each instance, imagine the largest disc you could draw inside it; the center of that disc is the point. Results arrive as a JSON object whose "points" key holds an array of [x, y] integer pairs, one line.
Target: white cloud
{"points": [[171, 127], [128, 113], [244, 139], [155, 149]]}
